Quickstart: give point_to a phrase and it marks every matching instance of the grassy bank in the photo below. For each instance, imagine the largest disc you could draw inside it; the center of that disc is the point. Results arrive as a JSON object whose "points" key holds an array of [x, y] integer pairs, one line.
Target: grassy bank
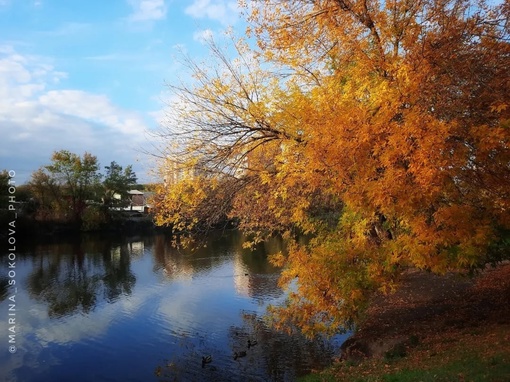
{"points": [[435, 329], [474, 354]]}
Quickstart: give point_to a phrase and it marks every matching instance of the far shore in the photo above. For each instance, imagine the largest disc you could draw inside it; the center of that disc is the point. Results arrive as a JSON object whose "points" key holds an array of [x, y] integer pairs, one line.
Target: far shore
{"points": [[122, 223]]}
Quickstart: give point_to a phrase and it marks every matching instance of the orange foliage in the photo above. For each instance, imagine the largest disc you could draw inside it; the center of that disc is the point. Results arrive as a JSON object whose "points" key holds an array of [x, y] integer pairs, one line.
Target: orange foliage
{"points": [[388, 142]]}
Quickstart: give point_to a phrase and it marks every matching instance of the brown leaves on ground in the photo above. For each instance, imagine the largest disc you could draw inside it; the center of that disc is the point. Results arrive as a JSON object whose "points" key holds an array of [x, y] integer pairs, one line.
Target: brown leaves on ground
{"points": [[437, 310]]}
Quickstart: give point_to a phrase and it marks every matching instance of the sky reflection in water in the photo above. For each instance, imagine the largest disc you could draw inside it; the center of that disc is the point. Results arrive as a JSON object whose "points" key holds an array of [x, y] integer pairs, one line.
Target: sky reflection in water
{"points": [[111, 309]]}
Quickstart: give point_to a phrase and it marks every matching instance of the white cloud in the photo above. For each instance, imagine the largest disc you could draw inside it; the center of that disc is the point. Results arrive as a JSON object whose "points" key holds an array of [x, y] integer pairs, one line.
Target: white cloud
{"points": [[203, 36], [146, 10], [37, 118], [21, 76], [226, 12], [91, 107]]}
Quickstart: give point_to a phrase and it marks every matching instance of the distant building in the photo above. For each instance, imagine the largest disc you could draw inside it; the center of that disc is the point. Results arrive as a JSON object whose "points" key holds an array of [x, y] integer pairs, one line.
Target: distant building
{"points": [[138, 201], [176, 171]]}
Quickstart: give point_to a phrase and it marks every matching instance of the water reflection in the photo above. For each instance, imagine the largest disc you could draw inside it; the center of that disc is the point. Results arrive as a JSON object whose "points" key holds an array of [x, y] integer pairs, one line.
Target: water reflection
{"points": [[253, 276], [73, 277], [138, 309]]}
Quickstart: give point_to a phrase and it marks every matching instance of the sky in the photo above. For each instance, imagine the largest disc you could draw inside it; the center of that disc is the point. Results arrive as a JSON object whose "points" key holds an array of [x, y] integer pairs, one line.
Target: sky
{"points": [[89, 76]]}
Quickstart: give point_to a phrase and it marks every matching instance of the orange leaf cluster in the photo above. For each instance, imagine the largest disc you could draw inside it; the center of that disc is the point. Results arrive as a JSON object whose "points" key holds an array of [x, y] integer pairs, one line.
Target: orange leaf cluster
{"points": [[384, 137]]}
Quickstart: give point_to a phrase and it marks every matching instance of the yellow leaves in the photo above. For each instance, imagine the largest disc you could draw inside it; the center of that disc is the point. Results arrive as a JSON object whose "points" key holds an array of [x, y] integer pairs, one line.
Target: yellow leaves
{"points": [[277, 259], [182, 202], [499, 107], [384, 137], [356, 295], [325, 303]]}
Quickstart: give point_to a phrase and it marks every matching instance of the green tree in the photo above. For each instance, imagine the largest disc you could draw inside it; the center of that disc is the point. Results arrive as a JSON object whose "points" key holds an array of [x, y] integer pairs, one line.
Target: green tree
{"points": [[77, 177], [118, 181]]}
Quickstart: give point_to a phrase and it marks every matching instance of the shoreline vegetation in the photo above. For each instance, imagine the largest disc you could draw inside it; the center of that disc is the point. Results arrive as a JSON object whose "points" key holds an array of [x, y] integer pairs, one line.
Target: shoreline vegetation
{"points": [[71, 195], [125, 222]]}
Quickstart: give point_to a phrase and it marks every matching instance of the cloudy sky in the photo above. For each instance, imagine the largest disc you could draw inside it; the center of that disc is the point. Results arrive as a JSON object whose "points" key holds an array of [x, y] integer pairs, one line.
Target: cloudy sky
{"points": [[89, 76]]}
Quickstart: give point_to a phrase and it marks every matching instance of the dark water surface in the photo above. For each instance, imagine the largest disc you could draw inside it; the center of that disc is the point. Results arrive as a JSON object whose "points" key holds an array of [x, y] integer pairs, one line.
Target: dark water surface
{"points": [[117, 309]]}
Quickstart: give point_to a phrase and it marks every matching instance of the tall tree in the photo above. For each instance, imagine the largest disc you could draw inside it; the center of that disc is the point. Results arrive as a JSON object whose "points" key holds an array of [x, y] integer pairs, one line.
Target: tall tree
{"points": [[118, 181], [78, 178], [381, 128], [47, 194]]}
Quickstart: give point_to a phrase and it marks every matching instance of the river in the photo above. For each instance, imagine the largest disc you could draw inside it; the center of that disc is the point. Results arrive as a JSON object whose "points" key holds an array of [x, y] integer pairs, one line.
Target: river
{"points": [[109, 308]]}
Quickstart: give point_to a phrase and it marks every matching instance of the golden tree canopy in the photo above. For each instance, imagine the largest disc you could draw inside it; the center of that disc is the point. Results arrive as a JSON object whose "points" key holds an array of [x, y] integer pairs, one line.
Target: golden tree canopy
{"points": [[380, 129]]}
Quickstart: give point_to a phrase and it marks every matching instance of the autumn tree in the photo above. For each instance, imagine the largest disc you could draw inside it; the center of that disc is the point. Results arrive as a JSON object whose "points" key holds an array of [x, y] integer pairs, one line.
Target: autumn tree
{"points": [[76, 178], [381, 129], [47, 194]]}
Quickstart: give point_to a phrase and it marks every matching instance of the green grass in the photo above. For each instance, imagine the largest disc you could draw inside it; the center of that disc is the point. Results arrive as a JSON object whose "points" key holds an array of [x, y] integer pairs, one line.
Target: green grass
{"points": [[465, 360], [476, 369], [470, 369]]}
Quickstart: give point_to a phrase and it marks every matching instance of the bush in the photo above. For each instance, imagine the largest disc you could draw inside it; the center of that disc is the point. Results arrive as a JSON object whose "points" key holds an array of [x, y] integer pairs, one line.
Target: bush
{"points": [[93, 219]]}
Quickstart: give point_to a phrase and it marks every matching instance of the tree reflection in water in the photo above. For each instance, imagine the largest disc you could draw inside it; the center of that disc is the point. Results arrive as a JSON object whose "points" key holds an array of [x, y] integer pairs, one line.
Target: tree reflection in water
{"points": [[75, 277], [138, 308]]}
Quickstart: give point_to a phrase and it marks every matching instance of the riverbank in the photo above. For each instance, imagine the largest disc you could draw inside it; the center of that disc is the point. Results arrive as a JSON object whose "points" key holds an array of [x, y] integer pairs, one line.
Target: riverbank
{"points": [[435, 328], [125, 222]]}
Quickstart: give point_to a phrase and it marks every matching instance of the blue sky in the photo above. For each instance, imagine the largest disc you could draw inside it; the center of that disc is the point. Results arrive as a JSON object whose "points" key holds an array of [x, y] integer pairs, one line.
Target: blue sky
{"points": [[90, 75]]}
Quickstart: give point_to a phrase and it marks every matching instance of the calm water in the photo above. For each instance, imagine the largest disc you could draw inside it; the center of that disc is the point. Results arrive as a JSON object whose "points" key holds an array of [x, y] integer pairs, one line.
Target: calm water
{"points": [[117, 309]]}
